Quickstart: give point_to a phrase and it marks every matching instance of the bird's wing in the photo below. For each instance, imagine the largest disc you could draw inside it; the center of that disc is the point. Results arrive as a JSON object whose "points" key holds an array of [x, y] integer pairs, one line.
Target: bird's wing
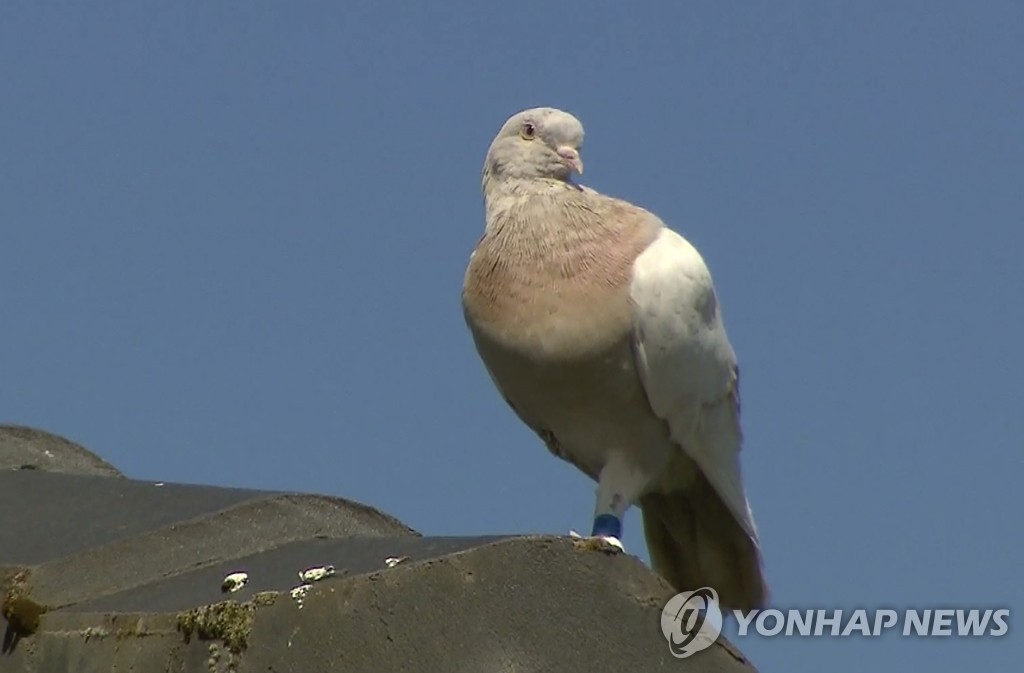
{"points": [[687, 365]]}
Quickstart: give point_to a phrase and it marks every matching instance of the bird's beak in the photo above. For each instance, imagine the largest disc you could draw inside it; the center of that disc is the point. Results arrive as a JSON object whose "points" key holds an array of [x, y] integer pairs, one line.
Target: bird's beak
{"points": [[571, 158]]}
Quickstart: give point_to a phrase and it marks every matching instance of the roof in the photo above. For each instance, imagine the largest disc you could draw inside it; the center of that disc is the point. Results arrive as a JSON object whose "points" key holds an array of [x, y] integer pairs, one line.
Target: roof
{"points": [[99, 572]]}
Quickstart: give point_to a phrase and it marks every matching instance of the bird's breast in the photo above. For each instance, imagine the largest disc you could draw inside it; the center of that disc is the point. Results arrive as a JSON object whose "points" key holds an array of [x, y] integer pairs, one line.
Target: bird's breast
{"points": [[542, 314], [554, 292]]}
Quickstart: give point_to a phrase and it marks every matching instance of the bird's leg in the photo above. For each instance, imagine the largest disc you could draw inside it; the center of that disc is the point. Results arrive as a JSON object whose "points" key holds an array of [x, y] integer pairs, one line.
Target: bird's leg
{"points": [[618, 486]]}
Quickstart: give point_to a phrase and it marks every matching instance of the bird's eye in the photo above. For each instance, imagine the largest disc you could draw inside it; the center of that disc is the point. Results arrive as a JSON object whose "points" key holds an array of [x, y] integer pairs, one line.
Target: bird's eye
{"points": [[528, 131]]}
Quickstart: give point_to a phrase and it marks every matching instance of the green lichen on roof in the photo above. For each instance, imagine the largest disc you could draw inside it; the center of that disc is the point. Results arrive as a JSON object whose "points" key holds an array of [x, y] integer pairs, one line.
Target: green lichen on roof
{"points": [[21, 612], [228, 621], [23, 615]]}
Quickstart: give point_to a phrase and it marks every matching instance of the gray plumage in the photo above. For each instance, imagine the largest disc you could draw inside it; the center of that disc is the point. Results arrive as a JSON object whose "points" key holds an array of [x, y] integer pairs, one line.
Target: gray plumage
{"points": [[601, 329]]}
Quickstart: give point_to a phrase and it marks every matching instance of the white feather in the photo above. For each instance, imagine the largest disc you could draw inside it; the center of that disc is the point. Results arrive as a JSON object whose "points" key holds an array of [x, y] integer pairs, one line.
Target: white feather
{"points": [[687, 366]]}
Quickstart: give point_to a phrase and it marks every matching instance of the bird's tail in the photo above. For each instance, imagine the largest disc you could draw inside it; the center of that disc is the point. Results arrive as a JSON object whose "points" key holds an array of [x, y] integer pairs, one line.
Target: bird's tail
{"points": [[695, 542]]}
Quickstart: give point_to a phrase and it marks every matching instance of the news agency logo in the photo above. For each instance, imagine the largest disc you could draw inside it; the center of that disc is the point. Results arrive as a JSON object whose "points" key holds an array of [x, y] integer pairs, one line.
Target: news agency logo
{"points": [[960, 622], [691, 621]]}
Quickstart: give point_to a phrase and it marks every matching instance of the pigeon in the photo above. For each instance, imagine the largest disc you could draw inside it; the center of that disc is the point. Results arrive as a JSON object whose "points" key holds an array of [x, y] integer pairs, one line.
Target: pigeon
{"points": [[601, 328]]}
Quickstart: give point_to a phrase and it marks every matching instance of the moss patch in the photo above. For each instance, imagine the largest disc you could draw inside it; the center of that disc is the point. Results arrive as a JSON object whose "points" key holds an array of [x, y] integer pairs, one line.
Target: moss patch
{"points": [[228, 621], [21, 612]]}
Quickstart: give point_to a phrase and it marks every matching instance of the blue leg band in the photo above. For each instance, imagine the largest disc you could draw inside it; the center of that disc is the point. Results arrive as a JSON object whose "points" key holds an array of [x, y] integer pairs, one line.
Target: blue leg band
{"points": [[607, 525]]}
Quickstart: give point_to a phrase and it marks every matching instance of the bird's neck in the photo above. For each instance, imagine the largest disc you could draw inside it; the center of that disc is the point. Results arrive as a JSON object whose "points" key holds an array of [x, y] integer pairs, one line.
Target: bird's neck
{"points": [[526, 200], [497, 188]]}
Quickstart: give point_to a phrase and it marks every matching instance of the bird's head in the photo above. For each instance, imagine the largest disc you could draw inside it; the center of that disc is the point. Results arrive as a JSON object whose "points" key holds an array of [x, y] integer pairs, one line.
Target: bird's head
{"points": [[539, 143]]}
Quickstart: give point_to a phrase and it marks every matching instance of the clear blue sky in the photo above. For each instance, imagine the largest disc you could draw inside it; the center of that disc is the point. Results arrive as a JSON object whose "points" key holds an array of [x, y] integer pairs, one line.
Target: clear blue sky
{"points": [[234, 234]]}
